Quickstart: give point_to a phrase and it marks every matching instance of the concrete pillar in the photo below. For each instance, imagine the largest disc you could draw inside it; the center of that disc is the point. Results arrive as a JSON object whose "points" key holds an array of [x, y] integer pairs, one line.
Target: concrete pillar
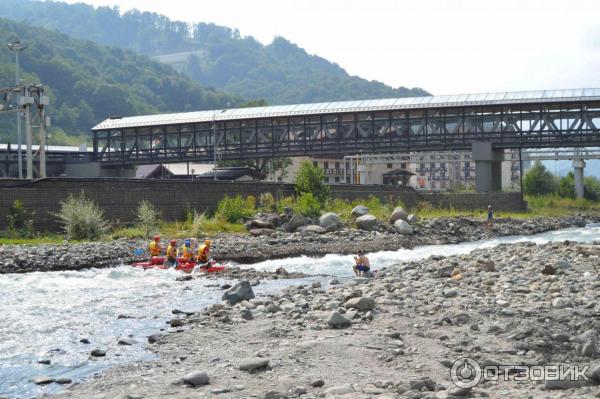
{"points": [[488, 167], [578, 166]]}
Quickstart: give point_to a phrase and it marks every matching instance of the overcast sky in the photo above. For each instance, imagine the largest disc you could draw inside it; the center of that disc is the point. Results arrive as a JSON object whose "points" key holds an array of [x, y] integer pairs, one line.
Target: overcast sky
{"points": [[445, 47]]}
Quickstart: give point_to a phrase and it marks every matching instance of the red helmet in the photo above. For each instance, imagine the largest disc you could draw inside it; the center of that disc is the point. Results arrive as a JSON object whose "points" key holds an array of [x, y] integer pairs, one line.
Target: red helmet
{"points": [[157, 238], [173, 242]]}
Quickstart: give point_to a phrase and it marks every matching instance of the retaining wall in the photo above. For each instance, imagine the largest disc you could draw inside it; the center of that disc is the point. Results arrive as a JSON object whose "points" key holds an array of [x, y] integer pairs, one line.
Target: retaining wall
{"points": [[119, 198]]}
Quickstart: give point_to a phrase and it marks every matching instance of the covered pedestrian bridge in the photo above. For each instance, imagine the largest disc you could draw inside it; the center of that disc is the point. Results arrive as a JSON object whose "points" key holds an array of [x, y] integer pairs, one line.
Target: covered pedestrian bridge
{"points": [[486, 123]]}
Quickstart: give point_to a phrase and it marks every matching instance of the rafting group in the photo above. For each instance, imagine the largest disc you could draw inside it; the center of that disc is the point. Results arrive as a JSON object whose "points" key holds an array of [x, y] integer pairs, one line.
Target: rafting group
{"points": [[185, 259]]}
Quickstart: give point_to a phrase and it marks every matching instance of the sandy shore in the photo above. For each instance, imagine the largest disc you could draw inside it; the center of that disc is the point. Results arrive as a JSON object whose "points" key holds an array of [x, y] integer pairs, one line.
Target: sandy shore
{"points": [[393, 336]]}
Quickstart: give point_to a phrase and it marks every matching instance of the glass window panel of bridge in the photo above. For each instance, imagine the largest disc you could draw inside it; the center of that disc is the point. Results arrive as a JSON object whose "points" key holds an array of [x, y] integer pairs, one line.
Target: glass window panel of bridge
{"points": [[116, 143], [347, 131], [314, 132], [130, 141], [102, 144], [187, 139], [454, 126], [232, 138], [473, 123], [416, 121], [248, 135], [530, 122], [382, 125], [280, 133], [492, 122], [172, 138], [203, 139], [144, 142], [435, 126], [399, 127], [364, 125], [296, 133]]}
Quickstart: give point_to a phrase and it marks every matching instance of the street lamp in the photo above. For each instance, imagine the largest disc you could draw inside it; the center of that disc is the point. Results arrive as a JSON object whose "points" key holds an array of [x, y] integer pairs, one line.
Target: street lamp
{"points": [[17, 47]]}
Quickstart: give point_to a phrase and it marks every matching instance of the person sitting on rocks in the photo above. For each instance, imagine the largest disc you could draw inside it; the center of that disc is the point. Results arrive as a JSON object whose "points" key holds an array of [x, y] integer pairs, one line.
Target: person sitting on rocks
{"points": [[204, 252], [171, 260], [154, 248], [362, 264], [187, 252]]}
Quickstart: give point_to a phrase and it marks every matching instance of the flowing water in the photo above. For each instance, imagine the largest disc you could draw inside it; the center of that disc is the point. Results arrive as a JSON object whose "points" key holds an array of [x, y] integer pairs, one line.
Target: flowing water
{"points": [[45, 315]]}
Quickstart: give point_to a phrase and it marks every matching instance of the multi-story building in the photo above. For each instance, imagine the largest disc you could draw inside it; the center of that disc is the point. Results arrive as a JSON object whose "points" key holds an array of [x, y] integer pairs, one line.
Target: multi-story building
{"points": [[422, 171]]}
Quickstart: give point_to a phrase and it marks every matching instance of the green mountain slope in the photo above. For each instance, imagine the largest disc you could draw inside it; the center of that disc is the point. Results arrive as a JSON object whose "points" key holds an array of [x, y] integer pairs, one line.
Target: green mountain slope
{"points": [[89, 82], [215, 56]]}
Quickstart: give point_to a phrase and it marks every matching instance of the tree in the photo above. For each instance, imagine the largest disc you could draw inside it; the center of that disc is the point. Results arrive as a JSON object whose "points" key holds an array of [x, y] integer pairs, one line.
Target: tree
{"points": [[566, 186], [311, 179], [539, 181]]}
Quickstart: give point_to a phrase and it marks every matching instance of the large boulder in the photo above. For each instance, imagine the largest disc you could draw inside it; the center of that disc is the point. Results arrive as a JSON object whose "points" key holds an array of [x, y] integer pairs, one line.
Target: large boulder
{"points": [[403, 227], [261, 232], [367, 222], [399, 213], [359, 210], [296, 221], [242, 291], [412, 218], [330, 221]]}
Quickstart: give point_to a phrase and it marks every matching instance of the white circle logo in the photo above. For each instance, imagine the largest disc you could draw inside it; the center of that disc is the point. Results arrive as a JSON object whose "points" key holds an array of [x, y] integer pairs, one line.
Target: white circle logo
{"points": [[465, 372]]}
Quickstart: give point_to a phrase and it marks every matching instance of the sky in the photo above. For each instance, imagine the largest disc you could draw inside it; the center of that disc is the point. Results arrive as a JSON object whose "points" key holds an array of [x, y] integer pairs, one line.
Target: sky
{"points": [[443, 46]]}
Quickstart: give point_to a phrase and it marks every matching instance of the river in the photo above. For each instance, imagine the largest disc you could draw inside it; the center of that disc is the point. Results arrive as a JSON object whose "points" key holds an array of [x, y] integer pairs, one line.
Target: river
{"points": [[46, 314]]}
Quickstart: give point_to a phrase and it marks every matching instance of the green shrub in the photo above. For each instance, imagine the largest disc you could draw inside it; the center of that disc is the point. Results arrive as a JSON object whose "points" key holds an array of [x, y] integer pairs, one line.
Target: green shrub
{"points": [[81, 218], [311, 179], [147, 218], [19, 221], [591, 187], [266, 202], [251, 202], [129, 233], [342, 208], [234, 209], [307, 205], [539, 181]]}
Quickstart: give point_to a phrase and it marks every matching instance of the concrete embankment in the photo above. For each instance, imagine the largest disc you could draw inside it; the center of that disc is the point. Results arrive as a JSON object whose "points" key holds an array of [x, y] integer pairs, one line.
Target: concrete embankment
{"points": [[394, 336], [249, 249]]}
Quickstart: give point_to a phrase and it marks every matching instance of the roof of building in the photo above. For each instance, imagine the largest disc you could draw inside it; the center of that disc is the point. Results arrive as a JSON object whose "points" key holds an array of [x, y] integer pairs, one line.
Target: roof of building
{"points": [[350, 106], [49, 148], [175, 169], [232, 173]]}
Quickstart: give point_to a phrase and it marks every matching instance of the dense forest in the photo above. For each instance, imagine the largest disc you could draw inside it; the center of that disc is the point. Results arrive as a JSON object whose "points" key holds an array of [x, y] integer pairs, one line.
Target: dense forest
{"points": [[88, 82], [214, 56]]}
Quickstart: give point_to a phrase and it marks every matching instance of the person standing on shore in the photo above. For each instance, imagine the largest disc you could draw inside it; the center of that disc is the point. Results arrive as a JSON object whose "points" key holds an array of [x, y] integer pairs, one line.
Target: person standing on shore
{"points": [[362, 264], [490, 216]]}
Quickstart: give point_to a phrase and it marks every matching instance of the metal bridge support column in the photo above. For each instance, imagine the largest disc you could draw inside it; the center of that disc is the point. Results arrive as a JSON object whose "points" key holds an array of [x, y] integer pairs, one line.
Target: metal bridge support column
{"points": [[488, 167], [578, 166]]}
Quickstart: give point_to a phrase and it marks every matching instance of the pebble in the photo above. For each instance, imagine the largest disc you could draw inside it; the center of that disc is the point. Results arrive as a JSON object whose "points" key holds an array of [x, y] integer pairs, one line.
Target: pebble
{"points": [[42, 380], [98, 353], [336, 320]]}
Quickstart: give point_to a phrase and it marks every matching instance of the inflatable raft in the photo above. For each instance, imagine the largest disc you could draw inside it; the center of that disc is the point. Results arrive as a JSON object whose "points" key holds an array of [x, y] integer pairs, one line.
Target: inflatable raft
{"points": [[157, 262]]}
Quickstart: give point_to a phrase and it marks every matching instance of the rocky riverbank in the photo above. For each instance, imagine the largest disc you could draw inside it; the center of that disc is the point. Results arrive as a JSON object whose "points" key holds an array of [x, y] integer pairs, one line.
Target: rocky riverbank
{"points": [[279, 244], [393, 336]]}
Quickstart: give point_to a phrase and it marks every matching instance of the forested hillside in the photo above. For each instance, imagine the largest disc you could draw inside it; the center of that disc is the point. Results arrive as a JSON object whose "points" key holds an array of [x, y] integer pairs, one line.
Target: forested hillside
{"points": [[88, 82], [214, 56]]}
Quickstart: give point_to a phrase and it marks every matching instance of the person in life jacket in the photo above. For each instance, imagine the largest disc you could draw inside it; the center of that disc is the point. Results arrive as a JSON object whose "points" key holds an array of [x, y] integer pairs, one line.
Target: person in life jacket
{"points": [[204, 252], [186, 251], [171, 260], [154, 248]]}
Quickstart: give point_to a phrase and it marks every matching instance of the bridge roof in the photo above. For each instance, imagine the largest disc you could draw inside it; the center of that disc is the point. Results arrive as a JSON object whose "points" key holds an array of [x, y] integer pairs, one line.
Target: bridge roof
{"points": [[351, 106]]}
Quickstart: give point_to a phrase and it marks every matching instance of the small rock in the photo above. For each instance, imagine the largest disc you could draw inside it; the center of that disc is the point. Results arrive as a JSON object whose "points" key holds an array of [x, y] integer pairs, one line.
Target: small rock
{"points": [[398, 214], [253, 363], [450, 292], [154, 338], [126, 341], [317, 383], [336, 320], [42, 380], [275, 395], [242, 291], [63, 380], [176, 323], [402, 227], [338, 390], [334, 281], [316, 284], [85, 341], [196, 378], [361, 303], [246, 314], [98, 353], [549, 270], [44, 361]]}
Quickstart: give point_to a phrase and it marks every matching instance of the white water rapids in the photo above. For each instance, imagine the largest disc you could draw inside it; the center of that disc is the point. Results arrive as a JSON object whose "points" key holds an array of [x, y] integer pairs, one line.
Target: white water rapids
{"points": [[46, 314]]}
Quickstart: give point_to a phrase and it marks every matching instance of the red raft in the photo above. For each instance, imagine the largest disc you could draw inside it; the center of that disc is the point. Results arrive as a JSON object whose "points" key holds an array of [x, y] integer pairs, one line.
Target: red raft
{"points": [[182, 265]]}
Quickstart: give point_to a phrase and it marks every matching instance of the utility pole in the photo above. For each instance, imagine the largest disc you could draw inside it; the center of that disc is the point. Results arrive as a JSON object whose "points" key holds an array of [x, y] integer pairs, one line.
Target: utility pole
{"points": [[17, 47]]}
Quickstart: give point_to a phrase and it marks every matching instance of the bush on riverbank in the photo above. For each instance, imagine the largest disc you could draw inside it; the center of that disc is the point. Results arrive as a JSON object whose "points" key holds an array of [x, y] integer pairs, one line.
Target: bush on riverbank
{"points": [[20, 221], [539, 182], [148, 218], [82, 219]]}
